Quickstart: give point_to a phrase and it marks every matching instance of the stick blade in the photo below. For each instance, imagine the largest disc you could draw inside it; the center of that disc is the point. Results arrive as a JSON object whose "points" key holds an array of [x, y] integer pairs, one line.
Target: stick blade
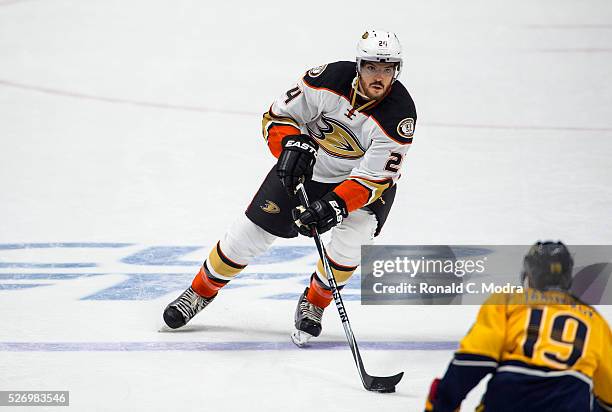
{"points": [[382, 384]]}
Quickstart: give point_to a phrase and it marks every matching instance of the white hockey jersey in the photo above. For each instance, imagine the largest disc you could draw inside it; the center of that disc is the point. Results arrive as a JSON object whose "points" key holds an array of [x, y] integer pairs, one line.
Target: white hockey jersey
{"points": [[359, 140]]}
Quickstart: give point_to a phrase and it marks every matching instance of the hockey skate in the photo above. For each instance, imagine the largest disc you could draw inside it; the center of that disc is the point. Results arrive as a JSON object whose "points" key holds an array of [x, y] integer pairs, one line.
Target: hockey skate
{"points": [[186, 306], [307, 321]]}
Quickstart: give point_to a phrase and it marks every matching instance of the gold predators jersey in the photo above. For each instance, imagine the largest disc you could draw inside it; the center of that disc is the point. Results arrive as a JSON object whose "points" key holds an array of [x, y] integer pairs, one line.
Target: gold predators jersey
{"points": [[547, 352]]}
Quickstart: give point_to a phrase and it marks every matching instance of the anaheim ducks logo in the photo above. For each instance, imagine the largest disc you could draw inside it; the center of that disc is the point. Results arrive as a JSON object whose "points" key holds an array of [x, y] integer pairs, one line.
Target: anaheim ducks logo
{"points": [[336, 139], [270, 207], [316, 71]]}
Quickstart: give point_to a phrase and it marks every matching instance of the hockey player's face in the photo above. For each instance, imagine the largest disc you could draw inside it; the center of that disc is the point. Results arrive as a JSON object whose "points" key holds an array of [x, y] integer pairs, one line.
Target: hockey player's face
{"points": [[376, 78]]}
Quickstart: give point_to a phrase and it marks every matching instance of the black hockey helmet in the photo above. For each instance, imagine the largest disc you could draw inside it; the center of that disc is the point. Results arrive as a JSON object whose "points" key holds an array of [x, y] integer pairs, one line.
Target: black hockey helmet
{"points": [[548, 265]]}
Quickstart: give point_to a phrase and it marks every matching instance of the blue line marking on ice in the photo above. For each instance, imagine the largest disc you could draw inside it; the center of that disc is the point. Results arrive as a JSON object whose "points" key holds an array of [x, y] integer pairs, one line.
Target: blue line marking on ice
{"points": [[169, 255], [12, 246], [45, 276], [64, 276], [27, 265], [215, 346], [147, 286], [142, 286], [32, 265], [15, 286], [163, 256], [38, 276]]}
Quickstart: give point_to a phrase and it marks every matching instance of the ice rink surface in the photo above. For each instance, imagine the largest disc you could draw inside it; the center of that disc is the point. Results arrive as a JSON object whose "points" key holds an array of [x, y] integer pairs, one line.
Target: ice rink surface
{"points": [[130, 140]]}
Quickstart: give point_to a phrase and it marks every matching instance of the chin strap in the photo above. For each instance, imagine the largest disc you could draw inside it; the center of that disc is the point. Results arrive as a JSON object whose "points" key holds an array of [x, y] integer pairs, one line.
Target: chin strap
{"points": [[356, 92], [356, 87]]}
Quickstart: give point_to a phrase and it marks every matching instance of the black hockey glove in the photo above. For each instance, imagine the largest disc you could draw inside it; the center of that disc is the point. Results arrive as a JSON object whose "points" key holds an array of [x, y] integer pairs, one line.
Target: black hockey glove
{"points": [[323, 214], [296, 160]]}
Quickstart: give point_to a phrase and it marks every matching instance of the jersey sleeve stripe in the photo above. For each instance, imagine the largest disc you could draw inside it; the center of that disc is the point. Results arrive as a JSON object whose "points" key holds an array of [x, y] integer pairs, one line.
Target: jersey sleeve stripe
{"points": [[470, 359], [358, 192], [280, 119], [355, 196], [275, 128], [370, 180], [474, 363], [375, 187]]}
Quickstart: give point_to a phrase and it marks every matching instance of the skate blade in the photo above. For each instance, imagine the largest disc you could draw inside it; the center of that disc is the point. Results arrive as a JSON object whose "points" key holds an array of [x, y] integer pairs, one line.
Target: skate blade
{"points": [[300, 338], [165, 329]]}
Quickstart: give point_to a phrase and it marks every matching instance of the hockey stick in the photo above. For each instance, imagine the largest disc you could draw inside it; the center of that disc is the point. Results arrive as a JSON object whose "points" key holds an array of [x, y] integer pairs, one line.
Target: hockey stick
{"points": [[385, 384]]}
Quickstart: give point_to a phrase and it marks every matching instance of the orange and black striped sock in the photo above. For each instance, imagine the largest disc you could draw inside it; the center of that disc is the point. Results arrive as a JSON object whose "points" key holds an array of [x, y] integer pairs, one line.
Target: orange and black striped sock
{"points": [[215, 273], [205, 284], [319, 294]]}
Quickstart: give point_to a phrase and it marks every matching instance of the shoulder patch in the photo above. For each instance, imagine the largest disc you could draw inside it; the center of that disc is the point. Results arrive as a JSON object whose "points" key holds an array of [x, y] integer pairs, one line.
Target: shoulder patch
{"points": [[316, 71], [405, 128]]}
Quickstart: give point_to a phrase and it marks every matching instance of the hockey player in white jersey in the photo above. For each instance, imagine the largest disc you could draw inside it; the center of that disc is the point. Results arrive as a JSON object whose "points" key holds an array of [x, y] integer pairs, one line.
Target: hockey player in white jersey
{"points": [[344, 129]]}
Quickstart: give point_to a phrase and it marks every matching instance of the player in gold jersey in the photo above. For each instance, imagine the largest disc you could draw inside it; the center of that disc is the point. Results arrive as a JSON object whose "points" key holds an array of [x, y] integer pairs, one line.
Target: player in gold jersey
{"points": [[547, 350]]}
